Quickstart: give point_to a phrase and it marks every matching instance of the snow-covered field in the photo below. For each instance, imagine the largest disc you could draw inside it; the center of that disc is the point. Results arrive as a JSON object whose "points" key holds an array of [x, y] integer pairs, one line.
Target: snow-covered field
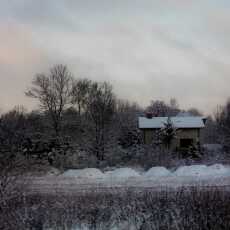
{"points": [[217, 175], [116, 199]]}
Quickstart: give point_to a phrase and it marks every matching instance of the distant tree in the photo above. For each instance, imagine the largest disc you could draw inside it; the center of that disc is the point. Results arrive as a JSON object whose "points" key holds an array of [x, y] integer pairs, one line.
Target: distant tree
{"points": [[100, 110], [222, 117], [158, 108], [127, 114], [173, 107], [162, 109], [53, 92], [22, 135], [126, 123], [80, 93], [13, 127], [38, 123], [194, 112], [210, 134]]}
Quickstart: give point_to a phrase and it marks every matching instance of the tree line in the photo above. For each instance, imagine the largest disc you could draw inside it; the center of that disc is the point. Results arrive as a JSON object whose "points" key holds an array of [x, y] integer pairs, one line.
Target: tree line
{"points": [[86, 116]]}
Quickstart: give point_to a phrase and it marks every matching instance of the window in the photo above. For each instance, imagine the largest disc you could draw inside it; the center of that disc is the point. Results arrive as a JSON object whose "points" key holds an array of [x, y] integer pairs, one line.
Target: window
{"points": [[186, 142]]}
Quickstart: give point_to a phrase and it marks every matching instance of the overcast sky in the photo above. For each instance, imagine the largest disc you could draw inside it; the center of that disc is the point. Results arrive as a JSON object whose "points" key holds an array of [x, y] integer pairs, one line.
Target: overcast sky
{"points": [[148, 49]]}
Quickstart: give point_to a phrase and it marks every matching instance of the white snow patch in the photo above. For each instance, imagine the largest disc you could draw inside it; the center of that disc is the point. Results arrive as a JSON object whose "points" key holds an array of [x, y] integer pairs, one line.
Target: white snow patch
{"points": [[157, 172], [87, 173], [202, 170], [154, 173], [122, 173], [193, 170], [219, 169]]}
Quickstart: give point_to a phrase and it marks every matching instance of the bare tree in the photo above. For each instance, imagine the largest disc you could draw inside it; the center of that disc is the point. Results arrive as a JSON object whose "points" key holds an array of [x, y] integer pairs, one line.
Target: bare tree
{"points": [[162, 109], [126, 123], [194, 112], [79, 93], [158, 108], [53, 92], [222, 117], [173, 107], [211, 134], [100, 108]]}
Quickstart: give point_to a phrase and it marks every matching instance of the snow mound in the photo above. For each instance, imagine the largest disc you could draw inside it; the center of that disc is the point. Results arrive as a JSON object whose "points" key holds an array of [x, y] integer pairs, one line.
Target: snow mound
{"points": [[88, 173], [157, 172], [219, 169], [193, 170], [122, 173], [202, 170]]}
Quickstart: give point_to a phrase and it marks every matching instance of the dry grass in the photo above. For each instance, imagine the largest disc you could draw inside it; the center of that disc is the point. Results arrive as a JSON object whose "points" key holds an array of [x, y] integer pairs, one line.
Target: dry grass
{"points": [[185, 209]]}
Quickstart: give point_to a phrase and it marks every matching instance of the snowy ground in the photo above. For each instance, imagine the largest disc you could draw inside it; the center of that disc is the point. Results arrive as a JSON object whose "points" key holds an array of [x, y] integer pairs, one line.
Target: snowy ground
{"points": [[156, 178]]}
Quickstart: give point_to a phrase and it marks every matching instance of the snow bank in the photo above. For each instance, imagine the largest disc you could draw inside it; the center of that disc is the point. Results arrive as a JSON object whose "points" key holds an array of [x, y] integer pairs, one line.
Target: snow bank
{"points": [[122, 173], [193, 170], [219, 169], [87, 173], [202, 170], [157, 172]]}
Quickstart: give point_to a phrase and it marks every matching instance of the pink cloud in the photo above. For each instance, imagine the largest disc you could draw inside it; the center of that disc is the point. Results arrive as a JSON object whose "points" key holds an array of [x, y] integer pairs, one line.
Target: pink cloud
{"points": [[20, 59]]}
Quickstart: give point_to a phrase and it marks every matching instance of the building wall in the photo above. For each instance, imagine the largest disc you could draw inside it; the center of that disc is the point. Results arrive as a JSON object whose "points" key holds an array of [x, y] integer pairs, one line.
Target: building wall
{"points": [[186, 134], [149, 135]]}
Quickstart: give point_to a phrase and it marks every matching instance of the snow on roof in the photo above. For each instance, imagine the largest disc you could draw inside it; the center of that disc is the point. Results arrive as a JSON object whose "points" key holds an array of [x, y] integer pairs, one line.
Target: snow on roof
{"points": [[178, 122]]}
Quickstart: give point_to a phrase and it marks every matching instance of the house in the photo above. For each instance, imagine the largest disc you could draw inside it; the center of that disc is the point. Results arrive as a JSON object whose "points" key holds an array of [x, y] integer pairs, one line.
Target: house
{"points": [[187, 129]]}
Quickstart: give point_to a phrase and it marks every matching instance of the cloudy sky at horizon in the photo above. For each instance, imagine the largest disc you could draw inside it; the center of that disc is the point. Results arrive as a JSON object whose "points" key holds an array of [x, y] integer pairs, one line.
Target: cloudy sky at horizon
{"points": [[148, 49]]}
